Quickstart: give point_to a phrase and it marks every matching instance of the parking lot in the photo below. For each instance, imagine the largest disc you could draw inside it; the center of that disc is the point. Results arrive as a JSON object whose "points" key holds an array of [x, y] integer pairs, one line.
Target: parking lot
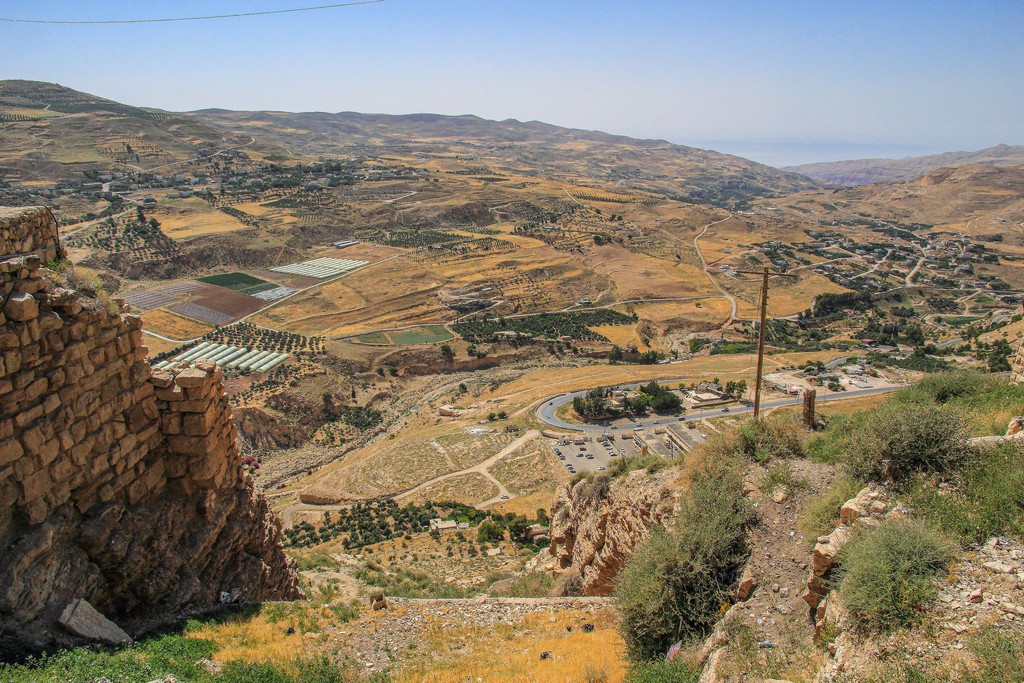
{"points": [[596, 450]]}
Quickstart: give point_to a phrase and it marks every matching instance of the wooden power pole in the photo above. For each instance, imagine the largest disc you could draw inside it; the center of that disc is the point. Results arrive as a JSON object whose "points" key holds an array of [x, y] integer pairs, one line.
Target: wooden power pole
{"points": [[760, 332]]}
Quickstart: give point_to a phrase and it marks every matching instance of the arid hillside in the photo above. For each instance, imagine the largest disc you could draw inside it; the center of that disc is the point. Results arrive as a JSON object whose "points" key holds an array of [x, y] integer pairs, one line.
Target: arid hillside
{"points": [[531, 148], [868, 171]]}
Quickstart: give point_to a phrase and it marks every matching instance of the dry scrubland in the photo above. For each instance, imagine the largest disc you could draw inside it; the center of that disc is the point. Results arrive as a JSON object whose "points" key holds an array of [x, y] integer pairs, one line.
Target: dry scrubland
{"points": [[394, 465]]}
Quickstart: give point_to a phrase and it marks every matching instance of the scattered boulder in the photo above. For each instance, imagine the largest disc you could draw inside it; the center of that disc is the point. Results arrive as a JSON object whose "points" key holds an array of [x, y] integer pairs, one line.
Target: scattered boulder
{"points": [[84, 621]]}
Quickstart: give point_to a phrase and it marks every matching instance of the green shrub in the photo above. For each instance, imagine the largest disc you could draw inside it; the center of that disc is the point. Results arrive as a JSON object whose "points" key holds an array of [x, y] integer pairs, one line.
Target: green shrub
{"points": [[899, 440], [323, 670], [944, 387], [620, 467], [888, 574], [767, 439], [986, 401], [313, 560], [987, 499], [675, 671], [674, 585], [248, 672], [177, 654]]}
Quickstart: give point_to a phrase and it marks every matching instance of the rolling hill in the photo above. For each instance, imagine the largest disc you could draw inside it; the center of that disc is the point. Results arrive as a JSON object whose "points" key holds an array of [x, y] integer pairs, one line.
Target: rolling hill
{"points": [[868, 171], [50, 132], [528, 148]]}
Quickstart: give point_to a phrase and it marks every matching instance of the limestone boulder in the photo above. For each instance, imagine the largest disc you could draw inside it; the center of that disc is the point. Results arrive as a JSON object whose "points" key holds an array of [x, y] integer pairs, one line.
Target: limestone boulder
{"points": [[83, 620]]}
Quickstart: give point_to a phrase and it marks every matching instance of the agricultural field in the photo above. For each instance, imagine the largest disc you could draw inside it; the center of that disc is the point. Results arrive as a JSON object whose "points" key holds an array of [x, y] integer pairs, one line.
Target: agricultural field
{"points": [[215, 305], [173, 326], [321, 268], [188, 218], [429, 334], [238, 282], [242, 358]]}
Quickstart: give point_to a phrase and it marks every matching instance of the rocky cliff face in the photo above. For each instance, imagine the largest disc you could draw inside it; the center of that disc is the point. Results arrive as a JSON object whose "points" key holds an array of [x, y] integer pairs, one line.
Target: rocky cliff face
{"points": [[118, 485], [596, 524]]}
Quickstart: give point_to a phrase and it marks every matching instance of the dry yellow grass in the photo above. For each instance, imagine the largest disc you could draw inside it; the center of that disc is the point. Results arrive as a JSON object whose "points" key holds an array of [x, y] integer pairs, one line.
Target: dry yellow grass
{"points": [[697, 315], [530, 469], [192, 217], [511, 652], [621, 335], [391, 466], [526, 506], [173, 326], [264, 637], [157, 345], [638, 276], [470, 489]]}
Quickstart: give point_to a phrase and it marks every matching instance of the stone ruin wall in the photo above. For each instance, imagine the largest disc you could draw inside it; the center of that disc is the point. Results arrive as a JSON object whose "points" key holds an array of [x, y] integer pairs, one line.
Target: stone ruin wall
{"points": [[28, 231], [119, 485]]}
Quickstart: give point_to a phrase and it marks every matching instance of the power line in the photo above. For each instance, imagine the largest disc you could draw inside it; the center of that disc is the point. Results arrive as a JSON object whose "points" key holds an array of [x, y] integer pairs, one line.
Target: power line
{"points": [[203, 18]]}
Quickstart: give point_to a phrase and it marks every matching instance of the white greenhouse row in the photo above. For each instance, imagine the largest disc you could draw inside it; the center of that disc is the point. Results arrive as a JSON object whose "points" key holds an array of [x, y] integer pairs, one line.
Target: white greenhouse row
{"points": [[233, 357], [321, 267]]}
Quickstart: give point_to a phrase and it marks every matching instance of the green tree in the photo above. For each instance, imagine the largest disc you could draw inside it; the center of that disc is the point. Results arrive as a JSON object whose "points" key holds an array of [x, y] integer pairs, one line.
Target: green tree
{"points": [[447, 354]]}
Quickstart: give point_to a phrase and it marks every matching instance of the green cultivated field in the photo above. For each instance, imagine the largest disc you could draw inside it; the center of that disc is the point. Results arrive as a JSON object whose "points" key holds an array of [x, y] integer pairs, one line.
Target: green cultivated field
{"points": [[238, 282], [429, 334], [420, 335], [374, 338]]}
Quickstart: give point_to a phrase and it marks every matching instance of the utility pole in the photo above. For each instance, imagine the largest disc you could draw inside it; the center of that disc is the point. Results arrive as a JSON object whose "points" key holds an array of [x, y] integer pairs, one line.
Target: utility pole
{"points": [[760, 332]]}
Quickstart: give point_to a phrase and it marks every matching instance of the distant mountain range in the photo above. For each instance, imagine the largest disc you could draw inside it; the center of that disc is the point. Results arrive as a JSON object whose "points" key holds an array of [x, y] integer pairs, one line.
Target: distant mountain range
{"points": [[53, 131], [868, 171]]}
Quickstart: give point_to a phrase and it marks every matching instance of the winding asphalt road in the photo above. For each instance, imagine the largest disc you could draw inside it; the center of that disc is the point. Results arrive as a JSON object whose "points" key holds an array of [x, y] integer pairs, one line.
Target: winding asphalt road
{"points": [[546, 411]]}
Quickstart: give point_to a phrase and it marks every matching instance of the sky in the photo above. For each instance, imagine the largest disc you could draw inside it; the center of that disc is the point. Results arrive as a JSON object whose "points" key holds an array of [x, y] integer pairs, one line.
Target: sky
{"points": [[779, 82]]}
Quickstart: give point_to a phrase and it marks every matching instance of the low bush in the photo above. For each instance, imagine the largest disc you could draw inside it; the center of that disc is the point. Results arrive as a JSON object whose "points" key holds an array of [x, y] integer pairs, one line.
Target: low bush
{"points": [[160, 657], [899, 440], [985, 500], [674, 585], [987, 402], [676, 671], [623, 466], [888, 574], [944, 387], [767, 439]]}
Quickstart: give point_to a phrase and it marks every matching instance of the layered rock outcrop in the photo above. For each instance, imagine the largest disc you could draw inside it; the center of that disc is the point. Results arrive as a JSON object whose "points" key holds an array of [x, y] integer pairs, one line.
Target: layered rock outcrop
{"points": [[596, 524], [118, 485]]}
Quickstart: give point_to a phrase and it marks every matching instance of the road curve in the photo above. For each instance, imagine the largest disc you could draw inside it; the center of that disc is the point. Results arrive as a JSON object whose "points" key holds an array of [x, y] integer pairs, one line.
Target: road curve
{"points": [[545, 412]]}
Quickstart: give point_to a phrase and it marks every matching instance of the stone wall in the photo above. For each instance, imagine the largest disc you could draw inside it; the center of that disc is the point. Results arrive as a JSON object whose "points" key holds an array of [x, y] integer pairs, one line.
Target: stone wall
{"points": [[27, 231], [119, 485]]}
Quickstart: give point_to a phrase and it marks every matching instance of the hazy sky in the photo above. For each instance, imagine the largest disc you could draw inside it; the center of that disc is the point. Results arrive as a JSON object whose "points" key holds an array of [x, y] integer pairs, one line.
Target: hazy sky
{"points": [[781, 82]]}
